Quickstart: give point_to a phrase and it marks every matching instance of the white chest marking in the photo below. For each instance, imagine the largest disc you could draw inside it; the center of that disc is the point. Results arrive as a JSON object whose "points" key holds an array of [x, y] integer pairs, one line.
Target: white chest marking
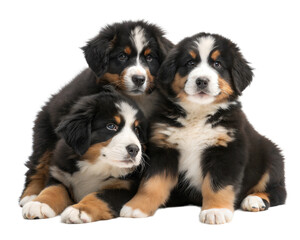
{"points": [[90, 178], [192, 139]]}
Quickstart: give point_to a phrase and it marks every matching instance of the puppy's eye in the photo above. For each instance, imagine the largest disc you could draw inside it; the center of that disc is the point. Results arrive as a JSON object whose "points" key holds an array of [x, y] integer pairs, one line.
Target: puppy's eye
{"points": [[217, 64], [137, 131], [149, 58], [190, 63], [122, 57], [112, 127]]}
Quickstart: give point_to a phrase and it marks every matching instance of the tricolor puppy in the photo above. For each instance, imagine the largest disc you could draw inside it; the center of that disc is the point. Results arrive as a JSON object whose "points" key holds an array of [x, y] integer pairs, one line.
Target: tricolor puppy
{"points": [[202, 148], [125, 55], [128, 56], [96, 162]]}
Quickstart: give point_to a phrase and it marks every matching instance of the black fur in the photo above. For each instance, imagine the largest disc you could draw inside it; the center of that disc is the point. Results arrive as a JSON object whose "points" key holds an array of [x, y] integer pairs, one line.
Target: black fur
{"points": [[243, 161], [101, 55], [84, 127], [99, 50]]}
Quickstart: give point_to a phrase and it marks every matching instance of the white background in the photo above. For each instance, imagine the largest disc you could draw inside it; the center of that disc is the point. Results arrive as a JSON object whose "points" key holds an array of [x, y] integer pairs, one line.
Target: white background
{"points": [[39, 53]]}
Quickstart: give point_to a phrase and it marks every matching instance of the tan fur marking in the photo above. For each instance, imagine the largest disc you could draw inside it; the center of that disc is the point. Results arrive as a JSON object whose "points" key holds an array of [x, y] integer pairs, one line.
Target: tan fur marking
{"points": [[136, 123], [223, 140], [147, 51], [193, 54], [152, 193], [127, 50], [215, 55], [117, 184], [223, 198], [262, 195], [115, 79], [261, 185], [56, 197], [226, 91], [150, 81], [94, 151], [117, 119], [94, 207], [37, 181], [112, 78], [178, 84]]}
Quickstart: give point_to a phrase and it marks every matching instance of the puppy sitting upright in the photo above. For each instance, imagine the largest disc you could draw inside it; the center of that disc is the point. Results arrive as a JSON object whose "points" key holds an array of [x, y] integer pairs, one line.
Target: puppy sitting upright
{"points": [[125, 55], [202, 149], [96, 162]]}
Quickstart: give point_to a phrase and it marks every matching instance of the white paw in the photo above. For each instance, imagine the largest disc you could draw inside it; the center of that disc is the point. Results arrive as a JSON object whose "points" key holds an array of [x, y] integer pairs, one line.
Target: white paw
{"points": [[26, 199], [216, 216], [127, 211], [33, 210], [74, 215], [253, 204]]}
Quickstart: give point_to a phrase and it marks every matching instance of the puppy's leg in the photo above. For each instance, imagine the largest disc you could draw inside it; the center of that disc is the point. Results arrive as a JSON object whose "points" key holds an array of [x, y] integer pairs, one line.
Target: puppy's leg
{"points": [[89, 209], [49, 203], [152, 193], [260, 201], [35, 182], [270, 188], [102, 205], [44, 140], [160, 178], [218, 204]]}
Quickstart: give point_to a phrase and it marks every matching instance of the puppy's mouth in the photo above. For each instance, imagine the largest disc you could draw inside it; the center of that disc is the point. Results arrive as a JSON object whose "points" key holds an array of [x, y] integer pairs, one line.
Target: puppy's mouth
{"points": [[136, 91], [202, 94], [126, 162]]}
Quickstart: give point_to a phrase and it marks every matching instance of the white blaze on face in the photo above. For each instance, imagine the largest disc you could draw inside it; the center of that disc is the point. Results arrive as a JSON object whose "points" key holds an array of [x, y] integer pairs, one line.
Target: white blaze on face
{"points": [[138, 40], [203, 71], [116, 150]]}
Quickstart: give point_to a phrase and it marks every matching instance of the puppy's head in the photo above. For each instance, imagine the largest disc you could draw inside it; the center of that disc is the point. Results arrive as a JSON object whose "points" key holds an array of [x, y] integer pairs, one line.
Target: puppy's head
{"points": [[128, 55], [205, 68], [106, 127]]}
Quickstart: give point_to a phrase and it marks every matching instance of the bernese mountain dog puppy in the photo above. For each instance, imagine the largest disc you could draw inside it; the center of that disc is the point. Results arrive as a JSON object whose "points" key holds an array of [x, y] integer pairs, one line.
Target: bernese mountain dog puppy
{"points": [[125, 55], [96, 162], [202, 148]]}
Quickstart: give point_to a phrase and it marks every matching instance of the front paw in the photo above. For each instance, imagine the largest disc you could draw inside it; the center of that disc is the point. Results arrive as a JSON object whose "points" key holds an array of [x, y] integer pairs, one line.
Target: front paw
{"points": [[254, 204], [74, 215], [216, 216], [26, 199], [37, 210], [127, 211]]}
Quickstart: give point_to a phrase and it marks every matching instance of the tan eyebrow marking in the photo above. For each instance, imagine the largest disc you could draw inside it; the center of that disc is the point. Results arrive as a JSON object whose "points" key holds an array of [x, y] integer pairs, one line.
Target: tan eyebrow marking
{"points": [[193, 54], [136, 123], [147, 51], [117, 119], [215, 55], [127, 50]]}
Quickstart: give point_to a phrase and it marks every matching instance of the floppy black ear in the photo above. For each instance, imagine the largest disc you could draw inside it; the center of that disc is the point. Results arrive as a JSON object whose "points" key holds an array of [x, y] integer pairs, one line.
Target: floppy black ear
{"points": [[168, 69], [165, 46], [97, 50], [241, 72], [76, 131]]}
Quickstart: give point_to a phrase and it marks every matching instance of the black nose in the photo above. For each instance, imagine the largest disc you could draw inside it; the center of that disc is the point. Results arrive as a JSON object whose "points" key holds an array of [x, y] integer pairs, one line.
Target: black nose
{"points": [[132, 150], [138, 80], [202, 83]]}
